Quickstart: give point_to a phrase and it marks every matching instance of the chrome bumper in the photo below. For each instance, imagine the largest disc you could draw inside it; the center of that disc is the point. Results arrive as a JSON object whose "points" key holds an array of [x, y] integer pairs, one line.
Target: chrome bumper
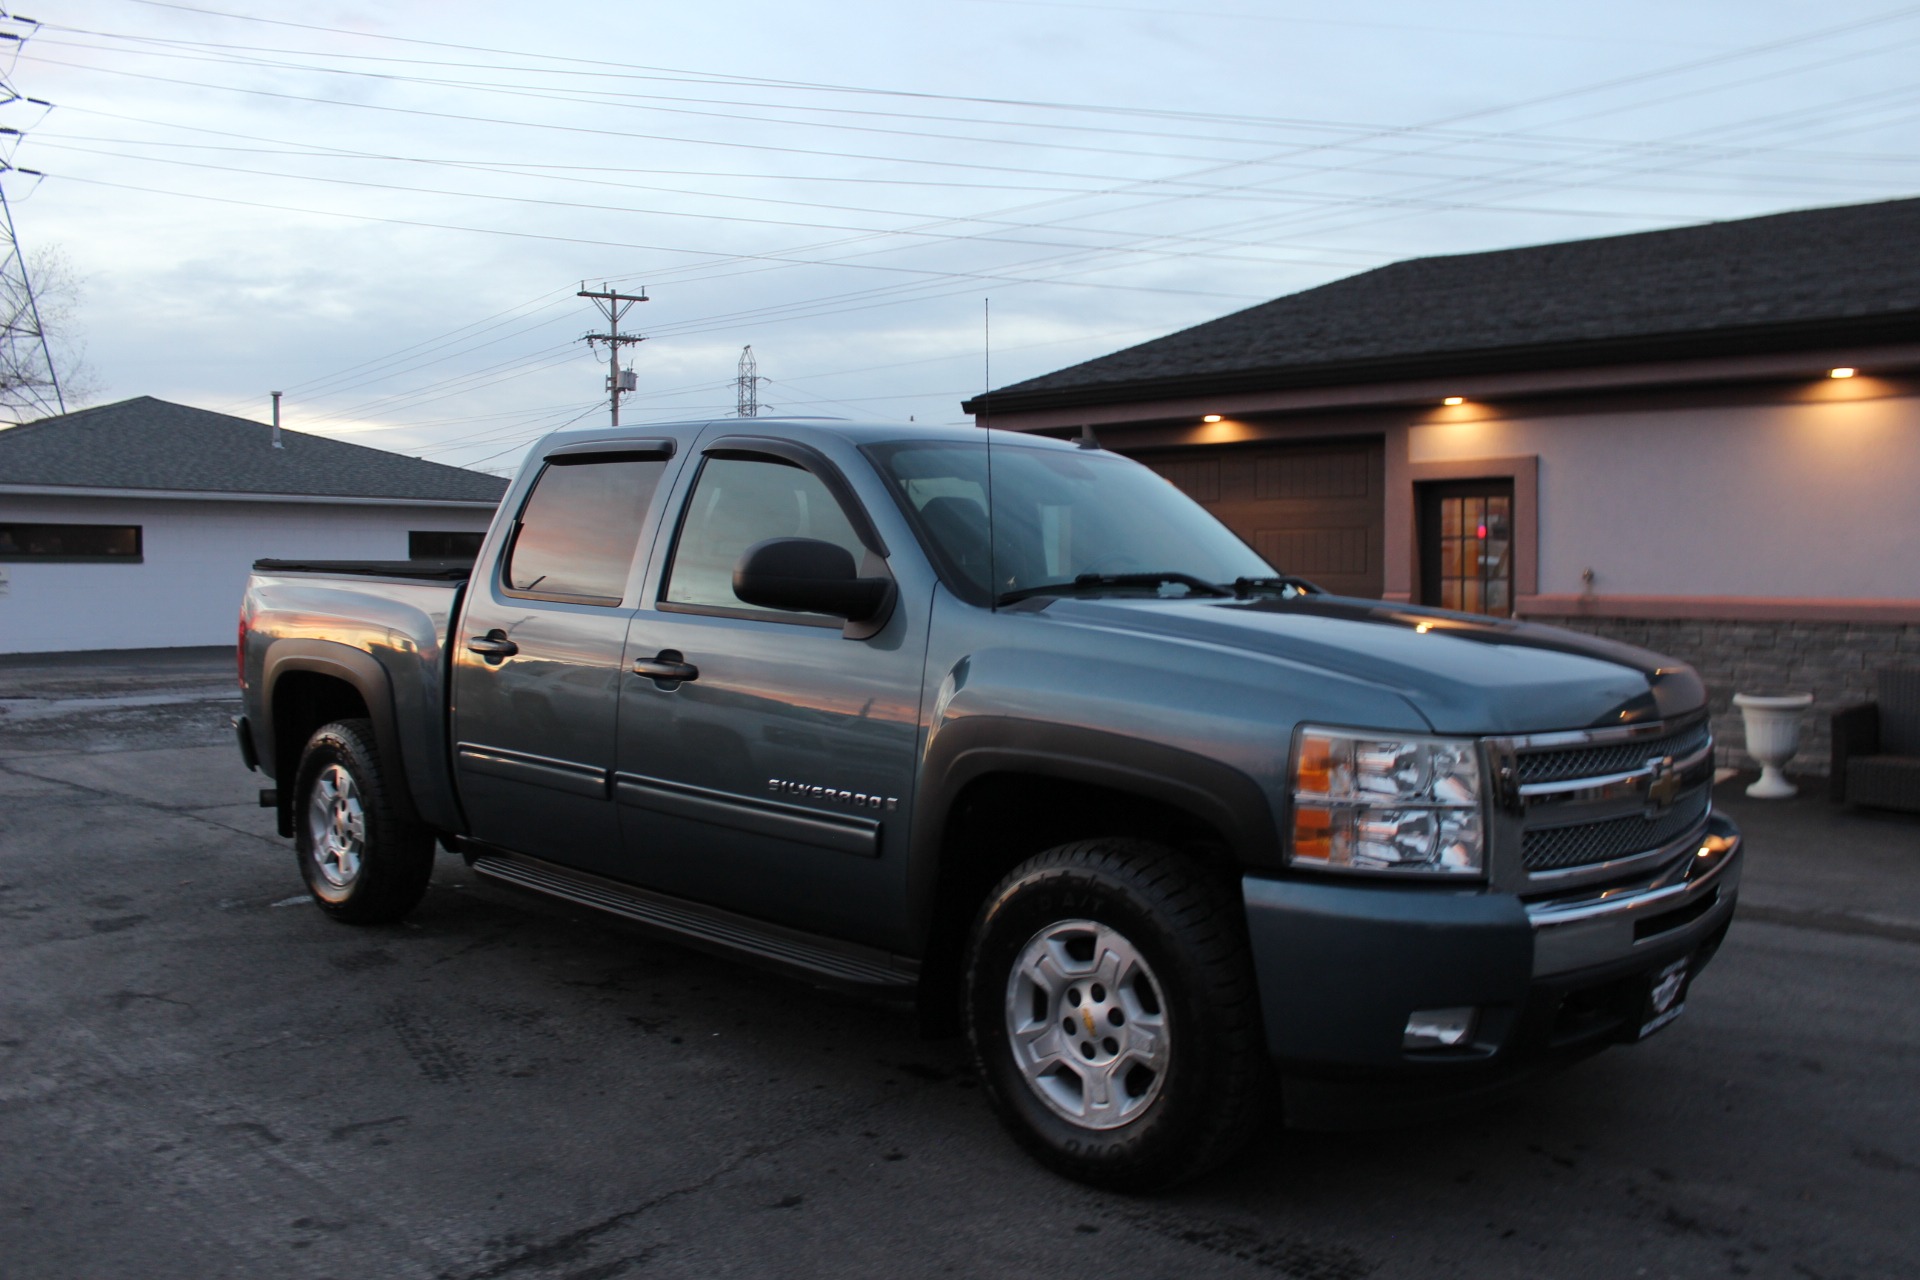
{"points": [[1689, 899]]}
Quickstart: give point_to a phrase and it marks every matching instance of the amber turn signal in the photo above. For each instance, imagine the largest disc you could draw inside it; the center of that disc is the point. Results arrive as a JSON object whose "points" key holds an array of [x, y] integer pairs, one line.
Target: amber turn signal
{"points": [[1315, 771], [1312, 835]]}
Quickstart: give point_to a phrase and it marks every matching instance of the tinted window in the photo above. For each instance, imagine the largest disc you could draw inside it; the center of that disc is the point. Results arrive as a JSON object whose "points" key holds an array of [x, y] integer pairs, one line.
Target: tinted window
{"points": [[741, 501], [1057, 513], [579, 529], [69, 542]]}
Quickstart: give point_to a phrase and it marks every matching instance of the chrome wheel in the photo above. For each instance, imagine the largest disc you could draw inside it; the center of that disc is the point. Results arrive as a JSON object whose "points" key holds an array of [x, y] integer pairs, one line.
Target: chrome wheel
{"points": [[1087, 1025], [336, 826], [364, 858]]}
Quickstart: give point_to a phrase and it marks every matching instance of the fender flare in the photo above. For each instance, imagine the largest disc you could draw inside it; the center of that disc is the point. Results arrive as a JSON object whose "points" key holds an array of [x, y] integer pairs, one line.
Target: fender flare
{"points": [[963, 751], [363, 673]]}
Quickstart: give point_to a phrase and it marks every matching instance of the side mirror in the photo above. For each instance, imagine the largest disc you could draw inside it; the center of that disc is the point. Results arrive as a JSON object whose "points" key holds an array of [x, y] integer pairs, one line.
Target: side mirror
{"points": [[811, 576]]}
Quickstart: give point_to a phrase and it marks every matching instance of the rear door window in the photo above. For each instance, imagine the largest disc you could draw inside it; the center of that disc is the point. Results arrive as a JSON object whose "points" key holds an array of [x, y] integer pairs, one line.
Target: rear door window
{"points": [[580, 527]]}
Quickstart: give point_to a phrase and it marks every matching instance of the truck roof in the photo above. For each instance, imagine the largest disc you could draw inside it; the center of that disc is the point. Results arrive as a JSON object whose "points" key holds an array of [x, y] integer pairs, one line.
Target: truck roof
{"points": [[796, 428]]}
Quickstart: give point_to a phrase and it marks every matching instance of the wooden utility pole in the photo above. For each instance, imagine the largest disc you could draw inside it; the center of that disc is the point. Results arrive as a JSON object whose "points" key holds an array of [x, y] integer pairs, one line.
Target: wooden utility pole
{"points": [[613, 306]]}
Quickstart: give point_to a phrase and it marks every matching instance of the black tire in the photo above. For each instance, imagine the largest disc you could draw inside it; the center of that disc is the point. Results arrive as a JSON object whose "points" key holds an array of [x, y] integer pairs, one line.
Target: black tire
{"points": [[1167, 1119], [362, 862]]}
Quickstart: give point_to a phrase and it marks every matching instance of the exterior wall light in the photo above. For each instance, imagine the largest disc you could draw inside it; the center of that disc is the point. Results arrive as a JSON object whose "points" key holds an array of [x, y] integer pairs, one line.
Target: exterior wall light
{"points": [[1454, 400], [1842, 372], [1214, 417]]}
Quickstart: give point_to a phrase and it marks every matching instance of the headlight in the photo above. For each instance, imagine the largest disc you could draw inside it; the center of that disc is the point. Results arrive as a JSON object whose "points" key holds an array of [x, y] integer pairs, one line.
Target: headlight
{"points": [[1380, 803]]}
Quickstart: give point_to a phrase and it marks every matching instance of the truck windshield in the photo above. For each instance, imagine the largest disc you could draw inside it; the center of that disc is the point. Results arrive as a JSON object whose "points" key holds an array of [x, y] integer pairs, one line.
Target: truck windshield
{"points": [[1059, 516]]}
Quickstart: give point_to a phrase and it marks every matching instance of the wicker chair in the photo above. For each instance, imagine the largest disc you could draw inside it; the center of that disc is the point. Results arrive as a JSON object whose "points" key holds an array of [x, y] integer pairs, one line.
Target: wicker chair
{"points": [[1876, 746]]}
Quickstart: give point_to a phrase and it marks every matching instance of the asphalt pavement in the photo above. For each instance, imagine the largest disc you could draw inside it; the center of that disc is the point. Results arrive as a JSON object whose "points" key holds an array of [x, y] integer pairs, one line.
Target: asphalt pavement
{"points": [[202, 1077]]}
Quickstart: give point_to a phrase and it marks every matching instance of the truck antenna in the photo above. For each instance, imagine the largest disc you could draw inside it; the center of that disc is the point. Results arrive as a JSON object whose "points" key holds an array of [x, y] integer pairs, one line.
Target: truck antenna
{"points": [[986, 425]]}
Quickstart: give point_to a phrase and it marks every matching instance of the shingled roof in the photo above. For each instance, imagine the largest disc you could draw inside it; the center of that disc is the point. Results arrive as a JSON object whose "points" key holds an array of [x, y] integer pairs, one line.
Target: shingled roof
{"points": [[146, 443], [1783, 282]]}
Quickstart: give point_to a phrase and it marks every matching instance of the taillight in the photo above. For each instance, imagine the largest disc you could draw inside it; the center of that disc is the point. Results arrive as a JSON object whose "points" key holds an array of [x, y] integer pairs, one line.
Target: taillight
{"points": [[240, 643]]}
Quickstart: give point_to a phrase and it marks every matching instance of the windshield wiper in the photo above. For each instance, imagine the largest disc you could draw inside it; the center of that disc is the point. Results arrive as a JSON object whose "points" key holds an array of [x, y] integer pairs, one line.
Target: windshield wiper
{"points": [[1091, 583], [1285, 584]]}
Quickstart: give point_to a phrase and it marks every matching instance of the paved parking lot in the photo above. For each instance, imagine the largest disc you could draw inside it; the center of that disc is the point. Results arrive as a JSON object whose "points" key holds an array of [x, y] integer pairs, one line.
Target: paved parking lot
{"points": [[200, 1077]]}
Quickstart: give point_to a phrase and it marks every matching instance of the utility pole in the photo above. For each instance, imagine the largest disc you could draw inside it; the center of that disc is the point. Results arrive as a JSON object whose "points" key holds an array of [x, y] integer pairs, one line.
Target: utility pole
{"points": [[746, 385], [614, 305]]}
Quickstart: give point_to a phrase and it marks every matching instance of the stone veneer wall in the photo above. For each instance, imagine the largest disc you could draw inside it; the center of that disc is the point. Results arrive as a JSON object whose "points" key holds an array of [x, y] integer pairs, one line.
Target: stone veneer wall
{"points": [[1834, 661]]}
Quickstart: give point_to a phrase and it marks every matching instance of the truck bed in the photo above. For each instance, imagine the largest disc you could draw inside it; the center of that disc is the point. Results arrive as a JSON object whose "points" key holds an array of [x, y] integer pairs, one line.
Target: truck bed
{"points": [[387, 619]]}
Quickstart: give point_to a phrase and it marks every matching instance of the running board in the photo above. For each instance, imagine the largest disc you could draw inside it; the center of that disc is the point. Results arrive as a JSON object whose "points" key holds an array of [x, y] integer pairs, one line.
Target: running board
{"points": [[710, 928]]}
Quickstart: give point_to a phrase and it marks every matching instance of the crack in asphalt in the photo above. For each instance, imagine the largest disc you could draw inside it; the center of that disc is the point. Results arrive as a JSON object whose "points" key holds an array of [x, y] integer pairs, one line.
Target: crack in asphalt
{"points": [[1286, 1252], [574, 1244], [118, 797], [1842, 922], [23, 708]]}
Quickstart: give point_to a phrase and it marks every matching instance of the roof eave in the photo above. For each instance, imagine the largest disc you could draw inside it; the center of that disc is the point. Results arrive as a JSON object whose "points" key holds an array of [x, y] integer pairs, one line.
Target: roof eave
{"points": [[1903, 326]]}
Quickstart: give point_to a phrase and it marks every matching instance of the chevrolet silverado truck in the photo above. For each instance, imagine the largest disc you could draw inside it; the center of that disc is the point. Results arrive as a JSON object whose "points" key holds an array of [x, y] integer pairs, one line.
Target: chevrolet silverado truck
{"points": [[1011, 727]]}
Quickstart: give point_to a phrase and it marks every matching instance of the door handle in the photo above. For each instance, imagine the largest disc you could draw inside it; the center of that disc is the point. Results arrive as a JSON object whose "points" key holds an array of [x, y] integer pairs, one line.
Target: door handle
{"points": [[668, 668], [493, 646]]}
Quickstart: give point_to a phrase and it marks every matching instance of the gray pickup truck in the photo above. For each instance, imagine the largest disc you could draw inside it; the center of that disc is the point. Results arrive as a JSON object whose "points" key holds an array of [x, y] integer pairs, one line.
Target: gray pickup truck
{"points": [[1011, 727]]}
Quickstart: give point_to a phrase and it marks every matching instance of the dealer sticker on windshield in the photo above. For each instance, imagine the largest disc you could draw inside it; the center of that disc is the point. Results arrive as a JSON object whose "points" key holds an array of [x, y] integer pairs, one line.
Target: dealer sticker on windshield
{"points": [[1666, 997]]}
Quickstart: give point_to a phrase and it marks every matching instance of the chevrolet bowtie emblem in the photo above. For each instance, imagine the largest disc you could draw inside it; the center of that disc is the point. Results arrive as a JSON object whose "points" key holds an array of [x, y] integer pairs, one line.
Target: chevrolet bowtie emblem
{"points": [[1088, 1019], [1663, 785]]}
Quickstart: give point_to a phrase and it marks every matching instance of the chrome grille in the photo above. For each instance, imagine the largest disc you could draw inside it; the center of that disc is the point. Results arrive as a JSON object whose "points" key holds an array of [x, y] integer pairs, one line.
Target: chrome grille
{"points": [[1583, 844], [1616, 757]]}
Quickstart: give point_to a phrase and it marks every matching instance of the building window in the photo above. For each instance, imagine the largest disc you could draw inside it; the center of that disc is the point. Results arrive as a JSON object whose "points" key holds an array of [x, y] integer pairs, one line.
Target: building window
{"points": [[436, 544], [71, 543], [1466, 546]]}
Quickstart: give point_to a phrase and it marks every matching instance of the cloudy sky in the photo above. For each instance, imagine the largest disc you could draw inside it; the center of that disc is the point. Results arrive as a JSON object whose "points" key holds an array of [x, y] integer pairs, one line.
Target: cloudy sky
{"points": [[386, 210]]}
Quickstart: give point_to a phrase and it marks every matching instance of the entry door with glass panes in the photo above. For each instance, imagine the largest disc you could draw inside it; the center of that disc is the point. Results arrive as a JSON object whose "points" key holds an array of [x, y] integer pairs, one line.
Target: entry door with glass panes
{"points": [[1466, 546]]}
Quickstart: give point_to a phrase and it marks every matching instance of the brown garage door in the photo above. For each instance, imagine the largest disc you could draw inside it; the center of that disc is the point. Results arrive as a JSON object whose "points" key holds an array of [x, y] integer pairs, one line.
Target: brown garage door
{"points": [[1312, 509]]}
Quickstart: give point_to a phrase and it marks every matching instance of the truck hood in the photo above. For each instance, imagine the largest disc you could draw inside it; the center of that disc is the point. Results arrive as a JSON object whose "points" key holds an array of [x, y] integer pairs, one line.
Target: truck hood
{"points": [[1465, 674]]}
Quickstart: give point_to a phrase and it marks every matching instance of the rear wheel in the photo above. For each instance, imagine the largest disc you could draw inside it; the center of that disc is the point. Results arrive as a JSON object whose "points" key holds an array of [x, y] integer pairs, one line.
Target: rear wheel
{"points": [[362, 862], [1112, 1014]]}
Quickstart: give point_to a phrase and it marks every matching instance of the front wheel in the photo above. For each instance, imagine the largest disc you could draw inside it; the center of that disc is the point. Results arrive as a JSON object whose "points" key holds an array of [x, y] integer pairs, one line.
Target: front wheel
{"points": [[1112, 1014], [363, 863]]}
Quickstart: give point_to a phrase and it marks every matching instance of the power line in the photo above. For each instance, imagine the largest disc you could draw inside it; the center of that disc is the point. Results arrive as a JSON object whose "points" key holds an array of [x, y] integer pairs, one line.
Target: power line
{"points": [[1370, 133], [1038, 104], [563, 426], [169, 49], [1639, 77], [926, 284], [582, 240], [1139, 245]]}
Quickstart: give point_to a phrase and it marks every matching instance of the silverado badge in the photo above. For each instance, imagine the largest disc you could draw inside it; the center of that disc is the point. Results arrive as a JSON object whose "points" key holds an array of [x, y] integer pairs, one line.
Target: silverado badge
{"points": [[833, 795]]}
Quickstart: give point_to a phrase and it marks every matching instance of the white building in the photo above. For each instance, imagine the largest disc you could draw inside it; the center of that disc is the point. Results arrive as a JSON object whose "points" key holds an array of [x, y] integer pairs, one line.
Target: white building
{"points": [[133, 525]]}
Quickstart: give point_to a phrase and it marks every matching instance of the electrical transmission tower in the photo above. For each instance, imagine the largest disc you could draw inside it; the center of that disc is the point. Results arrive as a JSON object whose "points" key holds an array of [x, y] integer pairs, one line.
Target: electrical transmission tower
{"points": [[746, 386], [29, 383], [613, 306]]}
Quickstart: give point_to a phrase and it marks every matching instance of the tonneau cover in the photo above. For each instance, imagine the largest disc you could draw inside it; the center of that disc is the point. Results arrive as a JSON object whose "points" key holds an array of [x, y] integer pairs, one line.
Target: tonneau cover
{"points": [[454, 570]]}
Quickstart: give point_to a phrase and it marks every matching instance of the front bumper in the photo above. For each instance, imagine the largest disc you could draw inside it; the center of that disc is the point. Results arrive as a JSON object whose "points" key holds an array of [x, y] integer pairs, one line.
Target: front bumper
{"points": [[1341, 966]]}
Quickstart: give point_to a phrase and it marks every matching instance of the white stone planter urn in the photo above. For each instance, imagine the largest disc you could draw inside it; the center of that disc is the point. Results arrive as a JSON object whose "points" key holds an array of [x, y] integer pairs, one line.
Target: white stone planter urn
{"points": [[1773, 735]]}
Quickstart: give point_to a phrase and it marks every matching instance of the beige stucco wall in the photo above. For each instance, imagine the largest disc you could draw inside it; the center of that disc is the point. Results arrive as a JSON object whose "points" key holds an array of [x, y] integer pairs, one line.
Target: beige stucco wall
{"points": [[1818, 499]]}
